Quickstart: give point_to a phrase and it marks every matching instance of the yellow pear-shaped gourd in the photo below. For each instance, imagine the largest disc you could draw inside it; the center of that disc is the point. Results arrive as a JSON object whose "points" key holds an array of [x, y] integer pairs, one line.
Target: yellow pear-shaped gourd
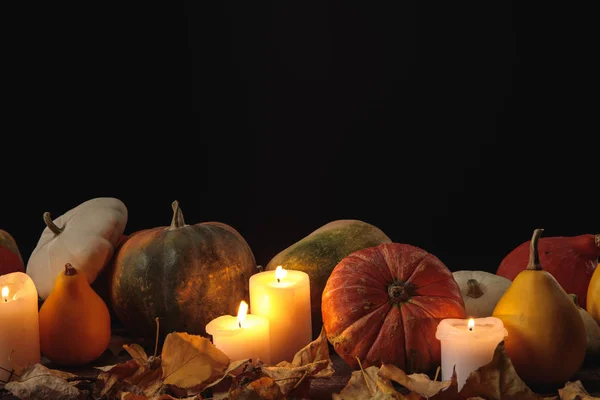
{"points": [[546, 339], [74, 321], [593, 295]]}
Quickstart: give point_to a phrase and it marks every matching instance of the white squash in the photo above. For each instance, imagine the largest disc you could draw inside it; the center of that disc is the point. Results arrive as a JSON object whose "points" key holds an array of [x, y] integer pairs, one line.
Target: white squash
{"points": [[592, 330], [85, 236], [480, 291]]}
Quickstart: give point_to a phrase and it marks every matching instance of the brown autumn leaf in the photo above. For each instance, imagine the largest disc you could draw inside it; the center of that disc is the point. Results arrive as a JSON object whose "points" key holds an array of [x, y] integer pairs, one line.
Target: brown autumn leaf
{"points": [[39, 382], [310, 362], [575, 391], [366, 384], [253, 384], [133, 396], [140, 376], [191, 362], [420, 384], [498, 380]]}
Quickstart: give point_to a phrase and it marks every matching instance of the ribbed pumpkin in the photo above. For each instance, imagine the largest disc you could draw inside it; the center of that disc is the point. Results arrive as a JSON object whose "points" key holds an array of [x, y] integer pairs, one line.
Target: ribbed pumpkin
{"points": [[383, 304], [185, 275], [10, 256]]}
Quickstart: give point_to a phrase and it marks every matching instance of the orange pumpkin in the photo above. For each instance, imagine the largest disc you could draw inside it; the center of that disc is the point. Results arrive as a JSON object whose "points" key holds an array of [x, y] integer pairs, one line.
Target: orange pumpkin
{"points": [[383, 304]]}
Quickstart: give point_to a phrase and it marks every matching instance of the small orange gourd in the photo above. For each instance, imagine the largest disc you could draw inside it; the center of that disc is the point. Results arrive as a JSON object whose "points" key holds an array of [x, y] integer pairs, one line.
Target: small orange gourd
{"points": [[74, 321]]}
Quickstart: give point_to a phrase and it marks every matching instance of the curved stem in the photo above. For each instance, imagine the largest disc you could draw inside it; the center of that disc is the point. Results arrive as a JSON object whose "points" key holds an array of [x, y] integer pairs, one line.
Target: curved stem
{"points": [[51, 225], [534, 256], [474, 289], [177, 221]]}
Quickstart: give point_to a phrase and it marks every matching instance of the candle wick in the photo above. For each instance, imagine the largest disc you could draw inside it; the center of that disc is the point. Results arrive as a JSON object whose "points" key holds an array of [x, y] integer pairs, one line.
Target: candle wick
{"points": [[240, 324], [471, 328], [278, 280]]}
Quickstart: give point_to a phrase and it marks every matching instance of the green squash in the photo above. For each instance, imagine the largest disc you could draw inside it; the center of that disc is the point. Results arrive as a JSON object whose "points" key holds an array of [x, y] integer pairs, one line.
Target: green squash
{"points": [[184, 274], [319, 252]]}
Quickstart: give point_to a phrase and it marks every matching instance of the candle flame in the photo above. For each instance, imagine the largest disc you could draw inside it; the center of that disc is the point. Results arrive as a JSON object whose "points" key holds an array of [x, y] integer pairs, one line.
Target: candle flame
{"points": [[242, 311], [5, 293], [280, 273], [471, 324]]}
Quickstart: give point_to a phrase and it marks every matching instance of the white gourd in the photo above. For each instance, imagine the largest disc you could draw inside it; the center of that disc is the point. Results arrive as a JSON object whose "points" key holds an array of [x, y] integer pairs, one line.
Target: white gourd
{"points": [[85, 236], [480, 291], [592, 330]]}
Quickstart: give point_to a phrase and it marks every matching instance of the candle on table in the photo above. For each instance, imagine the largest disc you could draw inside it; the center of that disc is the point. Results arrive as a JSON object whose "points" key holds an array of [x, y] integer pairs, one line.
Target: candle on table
{"points": [[468, 344], [283, 296], [242, 337], [19, 323]]}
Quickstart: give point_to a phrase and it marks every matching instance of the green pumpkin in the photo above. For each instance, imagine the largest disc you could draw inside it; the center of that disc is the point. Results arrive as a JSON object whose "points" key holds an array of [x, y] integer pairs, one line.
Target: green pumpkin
{"points": [[319, 252], [186, 275]]}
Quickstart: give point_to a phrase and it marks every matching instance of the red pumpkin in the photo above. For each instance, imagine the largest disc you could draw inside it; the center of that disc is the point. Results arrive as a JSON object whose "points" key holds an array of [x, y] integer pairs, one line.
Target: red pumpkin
{"points": [[10, 257], [383, 304], [571, 260]]}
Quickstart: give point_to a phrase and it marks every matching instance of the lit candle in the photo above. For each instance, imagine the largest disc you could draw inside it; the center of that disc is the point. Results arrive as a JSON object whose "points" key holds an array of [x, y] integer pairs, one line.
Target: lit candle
{"points": [[468, 345], [283, 296], [19, 323], [242, 337]]}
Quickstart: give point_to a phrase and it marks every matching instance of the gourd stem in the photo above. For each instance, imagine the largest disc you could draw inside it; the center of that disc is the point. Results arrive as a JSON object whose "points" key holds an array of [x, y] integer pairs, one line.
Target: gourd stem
{"points": [[575, 299], [69, 270], [474, 289], [51, 225], [177, 221], [534, 256]]}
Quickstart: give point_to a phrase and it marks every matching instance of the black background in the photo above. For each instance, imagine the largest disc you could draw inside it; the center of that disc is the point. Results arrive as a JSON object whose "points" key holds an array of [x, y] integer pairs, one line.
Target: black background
{"points": [[458, 127]]}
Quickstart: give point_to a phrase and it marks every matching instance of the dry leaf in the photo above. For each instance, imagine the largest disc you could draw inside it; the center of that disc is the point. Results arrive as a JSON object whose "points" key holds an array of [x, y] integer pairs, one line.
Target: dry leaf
{"points": [[497, 380], [38, 382], [263, 388], [191, 362], [366, 384], [130, 376], [575, 391], [133, 396], [311, 362], [233, 366], [253, 384], [418, 383], [138, 353]]}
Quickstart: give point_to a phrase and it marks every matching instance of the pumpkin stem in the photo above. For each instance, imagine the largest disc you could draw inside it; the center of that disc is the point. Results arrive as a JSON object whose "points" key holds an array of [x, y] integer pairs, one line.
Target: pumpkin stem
{"points": [[69, 270], [177, 221], [51, 225], [597, 240], [534, 256], [474, 289], [400, 292]]}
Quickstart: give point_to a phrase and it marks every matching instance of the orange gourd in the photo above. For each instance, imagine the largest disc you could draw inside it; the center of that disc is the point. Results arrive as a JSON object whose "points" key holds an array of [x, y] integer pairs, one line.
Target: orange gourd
{"points": [[74, 321], [593, 295]]}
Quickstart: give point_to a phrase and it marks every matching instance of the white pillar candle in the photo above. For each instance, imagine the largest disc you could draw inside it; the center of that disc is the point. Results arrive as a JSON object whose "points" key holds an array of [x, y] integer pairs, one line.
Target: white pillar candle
{"points": [[19, 323], [468, 345], [283, 296], [242, 337]]}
